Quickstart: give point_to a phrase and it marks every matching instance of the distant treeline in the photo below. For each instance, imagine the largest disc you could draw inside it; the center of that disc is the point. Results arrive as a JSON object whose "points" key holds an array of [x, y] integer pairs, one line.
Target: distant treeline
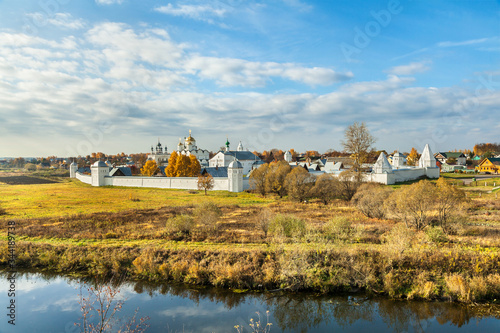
{"points": [[482, 148]]}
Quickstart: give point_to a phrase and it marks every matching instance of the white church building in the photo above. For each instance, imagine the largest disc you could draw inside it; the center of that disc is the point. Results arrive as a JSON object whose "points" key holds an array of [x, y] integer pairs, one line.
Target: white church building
{"points": [[247, 159]]}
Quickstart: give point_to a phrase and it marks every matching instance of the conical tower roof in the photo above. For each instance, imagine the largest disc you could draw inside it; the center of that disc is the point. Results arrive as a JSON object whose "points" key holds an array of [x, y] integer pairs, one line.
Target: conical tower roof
{"points": [[382, 165], [427, 159]]}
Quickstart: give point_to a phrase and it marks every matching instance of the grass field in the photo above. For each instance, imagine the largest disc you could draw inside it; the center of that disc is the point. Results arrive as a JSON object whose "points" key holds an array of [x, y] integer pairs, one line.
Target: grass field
{"points": [[70, 197], [73, 228]]}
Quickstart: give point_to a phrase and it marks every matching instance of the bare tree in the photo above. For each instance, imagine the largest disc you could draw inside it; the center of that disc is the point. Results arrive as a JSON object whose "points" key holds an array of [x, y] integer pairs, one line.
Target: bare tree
{"points": [[358, 142], [99, 309]]}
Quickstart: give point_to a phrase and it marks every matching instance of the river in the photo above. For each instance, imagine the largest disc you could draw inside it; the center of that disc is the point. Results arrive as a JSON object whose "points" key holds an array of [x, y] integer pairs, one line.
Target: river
{"points": [[45, 303]]}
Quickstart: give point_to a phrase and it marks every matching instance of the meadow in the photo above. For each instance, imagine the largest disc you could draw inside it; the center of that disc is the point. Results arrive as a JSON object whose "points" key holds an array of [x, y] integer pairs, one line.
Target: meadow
{"points": [[243, 241]]}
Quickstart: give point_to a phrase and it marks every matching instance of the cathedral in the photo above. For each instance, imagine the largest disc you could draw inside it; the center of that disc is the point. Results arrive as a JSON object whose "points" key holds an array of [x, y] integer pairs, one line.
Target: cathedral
{"points": [[189, 148], [160, 155]]}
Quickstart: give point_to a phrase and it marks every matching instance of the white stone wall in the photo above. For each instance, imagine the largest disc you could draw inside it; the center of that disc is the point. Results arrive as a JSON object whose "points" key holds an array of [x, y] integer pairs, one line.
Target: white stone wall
{"points": [[186, 183], [87, 179], [403, 175]]}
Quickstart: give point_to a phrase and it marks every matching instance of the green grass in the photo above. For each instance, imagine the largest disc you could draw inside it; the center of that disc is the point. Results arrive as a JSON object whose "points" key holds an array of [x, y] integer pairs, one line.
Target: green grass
{"points": [[73, 197]]}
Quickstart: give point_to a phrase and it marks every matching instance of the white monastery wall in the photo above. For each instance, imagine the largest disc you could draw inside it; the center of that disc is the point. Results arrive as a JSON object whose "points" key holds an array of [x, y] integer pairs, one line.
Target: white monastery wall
{"points": [[87, 179]]}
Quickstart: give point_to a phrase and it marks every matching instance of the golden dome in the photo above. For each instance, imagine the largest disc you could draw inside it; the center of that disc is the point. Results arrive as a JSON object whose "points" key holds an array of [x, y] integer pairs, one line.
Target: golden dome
{"points": [[190, 139]]}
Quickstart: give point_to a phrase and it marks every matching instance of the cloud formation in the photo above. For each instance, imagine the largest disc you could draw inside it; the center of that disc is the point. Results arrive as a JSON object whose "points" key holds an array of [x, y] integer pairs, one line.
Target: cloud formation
{"points": [[410, 69]]}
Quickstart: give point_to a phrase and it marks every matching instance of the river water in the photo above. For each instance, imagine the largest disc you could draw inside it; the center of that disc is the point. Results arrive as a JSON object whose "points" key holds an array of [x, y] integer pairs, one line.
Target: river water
{"points": [[52, 304]]}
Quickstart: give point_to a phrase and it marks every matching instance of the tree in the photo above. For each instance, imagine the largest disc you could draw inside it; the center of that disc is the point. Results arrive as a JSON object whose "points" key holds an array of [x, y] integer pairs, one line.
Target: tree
{"points": [[369, 199], [298, 184], [413, 157], [326, 188], [258, 179], [149, 168], [275, 177], [182, 166], [449, 203], [172, 161], [413, 204], [358, 141], [99, 312], [194, 166], [349, 181], [205, 182]]}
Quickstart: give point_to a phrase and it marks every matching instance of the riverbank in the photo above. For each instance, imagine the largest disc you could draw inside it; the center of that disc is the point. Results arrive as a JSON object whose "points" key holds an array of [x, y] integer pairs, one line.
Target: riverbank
{"points": [[228, 244]]}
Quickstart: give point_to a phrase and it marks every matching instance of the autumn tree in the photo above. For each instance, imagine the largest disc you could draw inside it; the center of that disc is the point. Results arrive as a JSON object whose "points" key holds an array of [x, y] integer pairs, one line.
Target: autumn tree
{"points": [[205, 182], [449, 203], [413, 204], [413, 157], [298, 184], [358, 142], [294, 154], [369, 199], [149, 168], [194, 166], [172, 161], [182, 166], [326, 188], [275, 178], [349, 181], [258, 179]]}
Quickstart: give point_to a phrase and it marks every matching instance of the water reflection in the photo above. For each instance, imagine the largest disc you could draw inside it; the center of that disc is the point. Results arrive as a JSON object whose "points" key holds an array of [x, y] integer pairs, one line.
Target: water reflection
{"points": [[51, 302]]}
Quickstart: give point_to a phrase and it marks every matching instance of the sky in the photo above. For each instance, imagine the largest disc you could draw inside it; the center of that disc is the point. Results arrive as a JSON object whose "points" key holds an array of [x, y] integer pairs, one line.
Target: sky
{"points": [[115, 76]]}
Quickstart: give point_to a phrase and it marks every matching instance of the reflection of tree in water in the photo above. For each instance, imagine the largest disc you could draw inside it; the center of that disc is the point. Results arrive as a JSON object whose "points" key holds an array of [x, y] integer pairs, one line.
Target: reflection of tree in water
{"points": [[227, 297], [401, 315], [305, 312]]}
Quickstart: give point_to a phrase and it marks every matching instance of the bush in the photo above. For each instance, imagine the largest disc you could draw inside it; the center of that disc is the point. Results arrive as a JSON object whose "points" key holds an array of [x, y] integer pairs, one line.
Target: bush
{"points": [[287, 226], [207, 215], [180, 223], [369, 199], [436, 234], [339, 229], [399, 238], [263, 220]]}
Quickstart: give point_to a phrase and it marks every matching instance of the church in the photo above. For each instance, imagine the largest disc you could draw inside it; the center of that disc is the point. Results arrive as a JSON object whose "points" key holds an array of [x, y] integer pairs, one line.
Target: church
{"points": [[160, 155], [247, 159]]}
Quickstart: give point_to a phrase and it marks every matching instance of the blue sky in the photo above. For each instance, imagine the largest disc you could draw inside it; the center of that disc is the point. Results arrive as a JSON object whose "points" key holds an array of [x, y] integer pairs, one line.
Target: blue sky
{"points": [[114, 75]]}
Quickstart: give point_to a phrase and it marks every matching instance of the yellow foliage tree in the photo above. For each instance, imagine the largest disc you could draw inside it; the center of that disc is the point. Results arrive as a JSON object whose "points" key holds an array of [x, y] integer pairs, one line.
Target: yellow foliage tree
{"points": [[172, 161], [182, 166], [149, 168], [412, 158], [194, 166]]}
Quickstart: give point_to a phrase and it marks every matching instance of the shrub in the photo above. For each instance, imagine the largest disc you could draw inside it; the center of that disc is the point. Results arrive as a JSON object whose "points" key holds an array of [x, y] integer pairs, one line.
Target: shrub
{"points": [[369, 199], [264, 220], [398, 239], [339, 229], [180, 223], [207, 215], [2, 211], [287, 226], [436, 234]]}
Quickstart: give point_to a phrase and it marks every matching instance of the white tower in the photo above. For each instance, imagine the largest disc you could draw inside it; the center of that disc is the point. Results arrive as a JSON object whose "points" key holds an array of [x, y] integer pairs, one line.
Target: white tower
{"points": [[382, 165], [288, 156], [398, 160], [240, 147], [235, 176], [427, 160], [99, 170], [73, 167]]}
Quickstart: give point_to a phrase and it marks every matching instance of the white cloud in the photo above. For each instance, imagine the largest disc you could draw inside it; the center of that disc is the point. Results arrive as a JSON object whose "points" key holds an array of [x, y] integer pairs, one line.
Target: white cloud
{"points": [[197, 12], [410, 69], [464, 43], [109, 2], [238, 72]]}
